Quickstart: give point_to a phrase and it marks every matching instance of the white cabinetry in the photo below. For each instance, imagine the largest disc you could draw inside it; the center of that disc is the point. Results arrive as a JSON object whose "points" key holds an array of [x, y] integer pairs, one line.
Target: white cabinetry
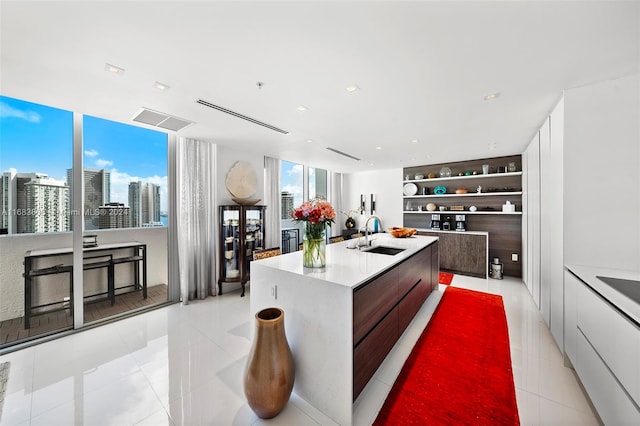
{"points": [[606, 359], [571, 284]]}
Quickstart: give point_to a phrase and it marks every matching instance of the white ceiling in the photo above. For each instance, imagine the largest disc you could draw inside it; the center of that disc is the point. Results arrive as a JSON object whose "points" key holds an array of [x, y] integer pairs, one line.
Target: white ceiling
{"points": [[423, 68]]}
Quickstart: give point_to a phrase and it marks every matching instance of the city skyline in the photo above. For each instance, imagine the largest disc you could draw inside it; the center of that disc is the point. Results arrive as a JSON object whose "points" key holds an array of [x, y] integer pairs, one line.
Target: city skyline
{"points": [[35, 203], [36, 138]]}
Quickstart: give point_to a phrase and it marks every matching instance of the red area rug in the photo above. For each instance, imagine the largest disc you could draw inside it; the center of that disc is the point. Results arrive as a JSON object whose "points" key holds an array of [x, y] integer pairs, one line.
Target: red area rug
{"points": [[459, 372], [445, 278]]}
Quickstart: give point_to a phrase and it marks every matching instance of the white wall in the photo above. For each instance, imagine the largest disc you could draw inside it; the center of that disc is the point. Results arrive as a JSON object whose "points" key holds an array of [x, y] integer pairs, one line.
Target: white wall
{"points": [[602, 174], [386, 184], [14, 247]]}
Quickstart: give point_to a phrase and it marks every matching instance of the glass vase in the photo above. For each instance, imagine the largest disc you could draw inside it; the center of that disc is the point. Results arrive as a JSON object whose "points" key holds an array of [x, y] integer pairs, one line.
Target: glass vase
{"points": [[314, 247]]}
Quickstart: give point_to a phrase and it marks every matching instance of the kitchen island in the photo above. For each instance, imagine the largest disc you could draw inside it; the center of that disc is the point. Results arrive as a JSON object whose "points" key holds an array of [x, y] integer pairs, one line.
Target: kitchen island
{"points": [[342, 320]]}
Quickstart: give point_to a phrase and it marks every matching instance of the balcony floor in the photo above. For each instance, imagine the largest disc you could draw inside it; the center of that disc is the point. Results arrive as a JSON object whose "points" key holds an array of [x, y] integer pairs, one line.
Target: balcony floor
{"points": [[13, 330]]}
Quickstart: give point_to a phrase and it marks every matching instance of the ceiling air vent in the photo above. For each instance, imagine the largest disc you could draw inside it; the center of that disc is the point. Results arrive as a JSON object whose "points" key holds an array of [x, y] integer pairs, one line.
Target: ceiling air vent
{"points": [[160, 119], [342, 153], [236, 114]]}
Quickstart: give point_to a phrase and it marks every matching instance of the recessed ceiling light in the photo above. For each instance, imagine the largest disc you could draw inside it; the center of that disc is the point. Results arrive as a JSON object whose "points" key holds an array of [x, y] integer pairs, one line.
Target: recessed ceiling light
{"points": [[414, 141], [302, 108], [378, 148], [161, 86], [352, 88], [114, 69], [491, 145], [491, 96], [309, 140]]}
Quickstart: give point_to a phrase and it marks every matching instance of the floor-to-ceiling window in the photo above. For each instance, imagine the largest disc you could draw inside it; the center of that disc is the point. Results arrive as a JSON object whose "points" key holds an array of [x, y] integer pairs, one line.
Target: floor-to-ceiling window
{"points": [[125, 206], [298, 183], [125, 169], [317, 183]]}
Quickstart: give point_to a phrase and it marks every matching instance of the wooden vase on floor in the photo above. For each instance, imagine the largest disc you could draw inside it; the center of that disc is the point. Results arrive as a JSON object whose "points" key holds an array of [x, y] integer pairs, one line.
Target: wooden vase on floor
{"points": [[269, 374]]}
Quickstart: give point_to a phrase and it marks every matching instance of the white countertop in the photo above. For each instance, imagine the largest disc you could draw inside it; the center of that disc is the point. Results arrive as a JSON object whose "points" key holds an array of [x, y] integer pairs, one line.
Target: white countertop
{"points": [[589, 274], [351, 267]]}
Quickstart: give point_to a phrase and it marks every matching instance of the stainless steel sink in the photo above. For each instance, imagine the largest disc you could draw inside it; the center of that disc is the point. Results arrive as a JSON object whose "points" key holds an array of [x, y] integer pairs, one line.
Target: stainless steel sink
{"points": [[629, 288], [385, 250]]}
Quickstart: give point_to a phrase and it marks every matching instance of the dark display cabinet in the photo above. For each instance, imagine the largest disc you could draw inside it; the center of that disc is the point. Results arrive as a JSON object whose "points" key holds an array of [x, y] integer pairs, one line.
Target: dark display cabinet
{"points": [[241, 233]]}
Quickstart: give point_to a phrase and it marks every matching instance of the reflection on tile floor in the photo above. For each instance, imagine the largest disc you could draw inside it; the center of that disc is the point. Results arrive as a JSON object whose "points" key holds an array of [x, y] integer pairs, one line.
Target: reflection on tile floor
{"points": [[182, 365]]}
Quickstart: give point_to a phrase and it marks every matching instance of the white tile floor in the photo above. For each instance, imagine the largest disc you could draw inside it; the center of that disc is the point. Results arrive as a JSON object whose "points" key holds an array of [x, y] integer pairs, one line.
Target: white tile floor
{"points": [[182, 365]]}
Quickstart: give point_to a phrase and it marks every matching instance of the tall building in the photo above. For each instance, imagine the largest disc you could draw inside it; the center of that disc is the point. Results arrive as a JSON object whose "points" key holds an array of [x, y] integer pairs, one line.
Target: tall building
{"points": [[97, 192], [144, 201], [286, 200], [33, 202], [5, 181], [114, 215]]}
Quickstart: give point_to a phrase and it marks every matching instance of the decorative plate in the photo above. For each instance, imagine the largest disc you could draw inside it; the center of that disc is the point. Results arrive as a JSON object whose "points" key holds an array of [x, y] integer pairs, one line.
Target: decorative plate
{"points": [[410, 189], [241, 180], [440, 190]]}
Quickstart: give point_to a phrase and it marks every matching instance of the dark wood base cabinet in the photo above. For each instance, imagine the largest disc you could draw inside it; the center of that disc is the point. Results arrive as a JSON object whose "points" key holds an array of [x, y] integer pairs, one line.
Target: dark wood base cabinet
{"points": [[462, 253], [385, 306]]}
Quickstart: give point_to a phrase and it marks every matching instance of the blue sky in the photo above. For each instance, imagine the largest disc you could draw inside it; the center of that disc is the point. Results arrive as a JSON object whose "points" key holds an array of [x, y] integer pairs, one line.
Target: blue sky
{"points": [[37, 138], [291, 175]]}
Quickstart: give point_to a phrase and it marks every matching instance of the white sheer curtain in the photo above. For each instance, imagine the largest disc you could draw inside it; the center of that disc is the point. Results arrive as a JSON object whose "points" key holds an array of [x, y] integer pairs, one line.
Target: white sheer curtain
{"points": [[336, 202], [272, 200], [196, 213]]}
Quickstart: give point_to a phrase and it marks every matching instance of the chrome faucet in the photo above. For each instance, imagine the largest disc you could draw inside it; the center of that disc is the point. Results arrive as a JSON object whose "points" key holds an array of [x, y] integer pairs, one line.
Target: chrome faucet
{"points": [[366, 229]]}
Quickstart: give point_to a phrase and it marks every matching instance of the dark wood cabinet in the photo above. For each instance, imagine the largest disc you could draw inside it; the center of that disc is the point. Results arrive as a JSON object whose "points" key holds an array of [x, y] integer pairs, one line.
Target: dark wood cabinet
{"points": [[372, 301], [462, 253], [385, 306], [241, 233], [370, 353]]}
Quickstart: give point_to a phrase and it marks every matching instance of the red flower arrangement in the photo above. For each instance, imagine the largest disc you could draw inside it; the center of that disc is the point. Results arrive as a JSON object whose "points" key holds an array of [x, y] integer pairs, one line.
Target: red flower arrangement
{"points": [[318, 214]]}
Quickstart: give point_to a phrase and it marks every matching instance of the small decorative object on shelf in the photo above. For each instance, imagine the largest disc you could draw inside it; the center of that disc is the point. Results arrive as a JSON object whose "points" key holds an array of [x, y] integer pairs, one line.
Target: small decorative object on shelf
{"points": [[410, 189], [270, 371], [432, 176], [316, 214], [350, 223], [445, 172], [431, 207], [439, 190], [461, 191], [419, 176], [511, 167]]}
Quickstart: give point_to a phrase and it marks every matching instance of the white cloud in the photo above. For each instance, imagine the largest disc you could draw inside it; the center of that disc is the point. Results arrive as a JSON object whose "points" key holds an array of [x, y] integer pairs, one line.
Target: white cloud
{"points": [[296, 190], [103, 163], [7, 111], [91, 153], [296, 170]]}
